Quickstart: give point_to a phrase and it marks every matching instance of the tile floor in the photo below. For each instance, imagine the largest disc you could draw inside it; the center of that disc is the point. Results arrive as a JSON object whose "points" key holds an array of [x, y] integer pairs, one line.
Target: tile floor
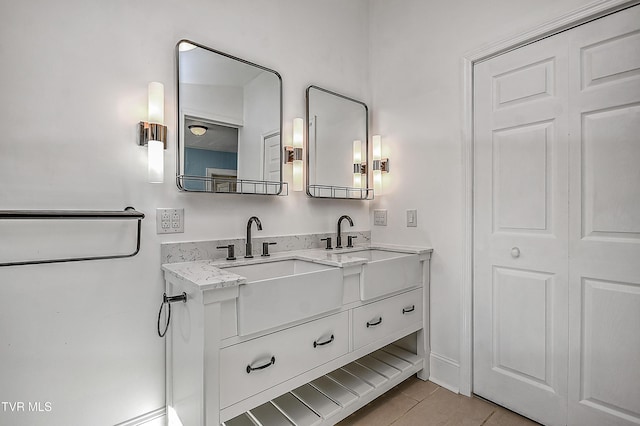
{"points": [[418, 403]]}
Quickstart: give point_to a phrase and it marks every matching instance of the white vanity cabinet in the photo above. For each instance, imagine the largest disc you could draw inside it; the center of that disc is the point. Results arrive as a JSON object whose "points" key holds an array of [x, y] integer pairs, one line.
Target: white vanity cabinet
{"points": [[312, 371], [374, 321], [279, 356]]}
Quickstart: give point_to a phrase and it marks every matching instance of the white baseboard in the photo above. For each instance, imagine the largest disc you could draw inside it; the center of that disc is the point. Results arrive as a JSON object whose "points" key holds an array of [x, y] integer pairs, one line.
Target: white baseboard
{"points": [[445, 372], [152, 418]]}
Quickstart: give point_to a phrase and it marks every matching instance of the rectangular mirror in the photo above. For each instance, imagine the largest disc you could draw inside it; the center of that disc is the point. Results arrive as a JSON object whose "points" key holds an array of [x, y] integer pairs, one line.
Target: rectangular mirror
{"points": [[229, 124], [336, 145]]}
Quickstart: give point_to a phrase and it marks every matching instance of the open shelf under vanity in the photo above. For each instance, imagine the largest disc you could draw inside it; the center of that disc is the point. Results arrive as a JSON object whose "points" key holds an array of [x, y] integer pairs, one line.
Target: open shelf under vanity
{"points": [[336, 395]]}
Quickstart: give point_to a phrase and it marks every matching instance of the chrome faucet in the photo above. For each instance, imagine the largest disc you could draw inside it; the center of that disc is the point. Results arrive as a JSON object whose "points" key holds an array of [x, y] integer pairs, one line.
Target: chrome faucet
{"points": [[339, 239], [249, 248]]}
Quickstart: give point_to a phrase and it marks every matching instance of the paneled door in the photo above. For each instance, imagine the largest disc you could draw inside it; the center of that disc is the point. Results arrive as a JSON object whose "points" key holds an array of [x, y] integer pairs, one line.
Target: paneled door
{"points": [[604, 232], [271, 158], [521, 231], [557, 226]]}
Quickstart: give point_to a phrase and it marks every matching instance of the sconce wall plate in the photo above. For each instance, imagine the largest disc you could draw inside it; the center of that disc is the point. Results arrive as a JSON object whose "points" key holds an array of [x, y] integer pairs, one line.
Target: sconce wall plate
{"points": [[291, 154], [382, 165], [151, 132]]}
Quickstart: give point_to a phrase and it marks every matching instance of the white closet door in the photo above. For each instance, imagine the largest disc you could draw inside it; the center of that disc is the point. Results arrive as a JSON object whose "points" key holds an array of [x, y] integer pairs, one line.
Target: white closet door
{"points": [[271, 158], [604, 264], [521, 231], [557, 226]]}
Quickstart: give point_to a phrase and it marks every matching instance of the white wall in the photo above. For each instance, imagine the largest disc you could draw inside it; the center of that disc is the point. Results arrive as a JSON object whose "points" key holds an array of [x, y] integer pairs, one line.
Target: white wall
{"points": [[416, 51], [218, 103], [73, 81], [261, 116]]}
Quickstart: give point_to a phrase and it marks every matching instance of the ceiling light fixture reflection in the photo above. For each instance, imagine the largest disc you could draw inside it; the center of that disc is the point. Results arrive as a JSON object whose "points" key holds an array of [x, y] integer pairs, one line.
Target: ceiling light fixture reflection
{"points": [[198, 130]]}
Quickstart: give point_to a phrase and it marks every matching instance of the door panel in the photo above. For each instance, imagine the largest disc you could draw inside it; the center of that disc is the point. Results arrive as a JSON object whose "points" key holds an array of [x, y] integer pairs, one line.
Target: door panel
{"points": [[607, 306], [530, 82], [557, 226], [522, 157], [520, 231], [611, 172], [525, 357], [604, 267]]}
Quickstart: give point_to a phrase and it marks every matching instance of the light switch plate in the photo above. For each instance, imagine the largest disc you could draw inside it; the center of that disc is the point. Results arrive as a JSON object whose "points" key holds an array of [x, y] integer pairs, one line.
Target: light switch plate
{"points": [[412, 218], [169, 221], [380, 217]]}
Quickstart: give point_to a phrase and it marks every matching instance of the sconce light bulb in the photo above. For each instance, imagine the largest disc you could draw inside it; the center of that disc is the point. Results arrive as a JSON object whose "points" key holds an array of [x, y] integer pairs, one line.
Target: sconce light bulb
{"points": [[377, 147], [357, 152], [297, 175], [156, 161], [357, 180], [377, 182], [156, 102], [298, 127]]}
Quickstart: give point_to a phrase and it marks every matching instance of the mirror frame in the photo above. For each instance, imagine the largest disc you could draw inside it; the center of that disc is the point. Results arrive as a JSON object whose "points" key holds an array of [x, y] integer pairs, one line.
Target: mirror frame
{"points": [[365, 193], [179, 129]]}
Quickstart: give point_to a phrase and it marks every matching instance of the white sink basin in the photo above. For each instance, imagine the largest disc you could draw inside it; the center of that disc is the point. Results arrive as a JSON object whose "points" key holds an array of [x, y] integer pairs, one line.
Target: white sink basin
{"points": [[283, 291], [388, 271]]}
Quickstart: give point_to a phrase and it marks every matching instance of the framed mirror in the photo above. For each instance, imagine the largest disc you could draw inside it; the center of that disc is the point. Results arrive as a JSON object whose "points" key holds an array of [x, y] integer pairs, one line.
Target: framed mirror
{"points": [[229, 124], [336, 146]]}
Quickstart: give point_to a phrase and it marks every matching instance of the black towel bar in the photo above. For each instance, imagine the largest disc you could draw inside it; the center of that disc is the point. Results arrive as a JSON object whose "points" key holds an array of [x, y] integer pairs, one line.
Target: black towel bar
{"points": [[127, 213]]}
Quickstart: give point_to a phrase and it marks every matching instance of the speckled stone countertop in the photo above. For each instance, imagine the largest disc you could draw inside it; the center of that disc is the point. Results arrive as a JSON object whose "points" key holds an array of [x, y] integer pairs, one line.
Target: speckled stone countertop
{"points": [[211, 274]]}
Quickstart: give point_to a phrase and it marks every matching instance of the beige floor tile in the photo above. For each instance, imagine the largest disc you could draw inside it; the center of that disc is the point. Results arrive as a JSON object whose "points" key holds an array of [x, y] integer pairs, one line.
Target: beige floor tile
{"points": [[502, 417], [417, 389], [446, 408], [382, 411]]}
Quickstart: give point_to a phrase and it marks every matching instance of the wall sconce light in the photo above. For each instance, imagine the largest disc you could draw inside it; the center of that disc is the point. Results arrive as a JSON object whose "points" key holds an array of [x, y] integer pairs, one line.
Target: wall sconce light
{"points": [[293, 153], [380, 165], [359, 168], [198, 130], [153, 133]]}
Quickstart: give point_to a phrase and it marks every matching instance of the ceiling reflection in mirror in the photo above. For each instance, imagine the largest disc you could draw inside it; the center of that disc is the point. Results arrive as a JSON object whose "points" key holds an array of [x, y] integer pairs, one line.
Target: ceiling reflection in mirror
{"points": [[230, 122], [337, 134]]}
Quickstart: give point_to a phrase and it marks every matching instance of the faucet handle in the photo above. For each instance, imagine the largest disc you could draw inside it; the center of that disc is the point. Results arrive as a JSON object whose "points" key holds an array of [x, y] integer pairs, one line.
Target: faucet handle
{"points": [[265, 248], [231, 251], [350, 239], [328, 240]]}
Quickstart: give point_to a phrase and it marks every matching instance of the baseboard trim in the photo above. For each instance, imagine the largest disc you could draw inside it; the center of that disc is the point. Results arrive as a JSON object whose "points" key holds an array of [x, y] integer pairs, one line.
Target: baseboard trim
{"points": [[444, 372], [146, 418]]}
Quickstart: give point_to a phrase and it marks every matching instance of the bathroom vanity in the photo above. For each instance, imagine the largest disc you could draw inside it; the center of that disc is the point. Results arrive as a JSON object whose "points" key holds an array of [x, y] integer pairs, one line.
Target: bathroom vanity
{"points": [[302, 337]]}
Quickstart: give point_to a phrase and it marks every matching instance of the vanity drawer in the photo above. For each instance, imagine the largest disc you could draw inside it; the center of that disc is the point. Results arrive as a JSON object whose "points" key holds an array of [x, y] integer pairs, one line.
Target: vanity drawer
{"points": [[384, 317], [253, 366]]}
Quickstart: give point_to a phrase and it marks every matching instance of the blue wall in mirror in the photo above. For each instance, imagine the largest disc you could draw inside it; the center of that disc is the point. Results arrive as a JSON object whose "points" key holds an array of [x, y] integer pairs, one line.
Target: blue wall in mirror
{"points": [[198, 160]]}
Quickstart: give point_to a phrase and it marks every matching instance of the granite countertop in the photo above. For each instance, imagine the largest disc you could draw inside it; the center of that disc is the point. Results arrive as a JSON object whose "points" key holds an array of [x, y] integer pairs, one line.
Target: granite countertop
{"points": [[211, 274]]}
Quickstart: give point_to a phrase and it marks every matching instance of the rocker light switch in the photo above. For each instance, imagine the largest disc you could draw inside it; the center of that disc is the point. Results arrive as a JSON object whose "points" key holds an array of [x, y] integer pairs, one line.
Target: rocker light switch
{"points": [[412, 218]]}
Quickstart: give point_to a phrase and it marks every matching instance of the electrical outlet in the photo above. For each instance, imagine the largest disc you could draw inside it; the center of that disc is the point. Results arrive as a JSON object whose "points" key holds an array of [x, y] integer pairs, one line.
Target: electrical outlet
{"points": [[169, 221], [380, 217], [412, 218]]}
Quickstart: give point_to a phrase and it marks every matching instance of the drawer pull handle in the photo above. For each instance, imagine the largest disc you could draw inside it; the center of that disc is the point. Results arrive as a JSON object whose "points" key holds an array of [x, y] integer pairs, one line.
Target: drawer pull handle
{"points": [[316, 344], [407, 310], [373, 324], [261, 367]]}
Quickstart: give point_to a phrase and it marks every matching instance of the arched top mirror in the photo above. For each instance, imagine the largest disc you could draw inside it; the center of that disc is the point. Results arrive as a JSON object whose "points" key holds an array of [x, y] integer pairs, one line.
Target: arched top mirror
{"points": [[229, 124], [336, 146]]}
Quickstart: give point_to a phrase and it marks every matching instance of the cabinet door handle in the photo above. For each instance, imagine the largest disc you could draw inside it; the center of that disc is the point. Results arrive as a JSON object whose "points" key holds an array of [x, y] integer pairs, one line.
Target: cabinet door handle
{"points": [[409, 309], [373, 324], [251, 368], [326, 342]]}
